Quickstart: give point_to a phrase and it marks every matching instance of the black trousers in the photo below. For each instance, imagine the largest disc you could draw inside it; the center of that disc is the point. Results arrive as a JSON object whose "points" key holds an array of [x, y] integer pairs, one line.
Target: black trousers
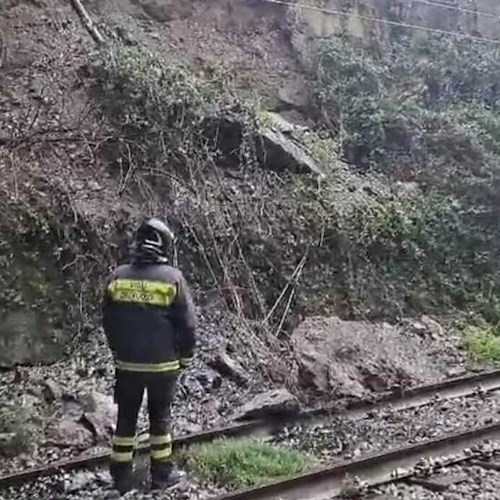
{"points": [[129, 392]]}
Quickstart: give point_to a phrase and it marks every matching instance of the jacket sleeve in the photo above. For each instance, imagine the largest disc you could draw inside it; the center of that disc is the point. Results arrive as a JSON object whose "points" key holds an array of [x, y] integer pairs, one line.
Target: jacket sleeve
{"points": [[107, 317], [184, 320]]}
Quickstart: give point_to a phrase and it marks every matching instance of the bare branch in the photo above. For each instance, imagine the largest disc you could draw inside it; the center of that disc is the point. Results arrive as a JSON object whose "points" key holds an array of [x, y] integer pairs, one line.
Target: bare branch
{"points": [[87, 21]]}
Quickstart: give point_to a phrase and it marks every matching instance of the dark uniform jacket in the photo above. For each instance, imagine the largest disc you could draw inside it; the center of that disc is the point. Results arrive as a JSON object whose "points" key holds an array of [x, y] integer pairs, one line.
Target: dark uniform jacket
{"points": [[149, 318]]}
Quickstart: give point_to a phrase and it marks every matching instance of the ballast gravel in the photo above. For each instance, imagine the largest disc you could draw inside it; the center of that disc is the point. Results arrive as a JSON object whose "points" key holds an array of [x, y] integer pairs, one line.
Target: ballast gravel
{"points": [[479, 484], [335, 440], [344, 438]]}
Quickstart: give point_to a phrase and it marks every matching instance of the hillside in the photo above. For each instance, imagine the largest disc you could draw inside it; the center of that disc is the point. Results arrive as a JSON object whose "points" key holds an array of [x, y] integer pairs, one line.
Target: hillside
{"points": [[314, 198]]}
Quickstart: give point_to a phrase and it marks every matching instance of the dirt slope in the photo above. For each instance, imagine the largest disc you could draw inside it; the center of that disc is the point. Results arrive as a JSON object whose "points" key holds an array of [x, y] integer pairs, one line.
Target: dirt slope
{"points": [[248, 40]]}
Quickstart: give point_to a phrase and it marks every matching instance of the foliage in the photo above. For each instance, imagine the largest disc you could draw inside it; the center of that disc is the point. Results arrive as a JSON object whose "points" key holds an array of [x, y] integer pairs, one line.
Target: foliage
{"points": [[484, 343], [157, 100], [396, 106], [423, 111], [245, 462]]}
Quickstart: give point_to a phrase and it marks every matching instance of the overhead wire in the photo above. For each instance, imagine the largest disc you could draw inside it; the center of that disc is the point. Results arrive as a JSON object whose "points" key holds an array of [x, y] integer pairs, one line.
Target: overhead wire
{"points": [[456, 8], [383, 21]]}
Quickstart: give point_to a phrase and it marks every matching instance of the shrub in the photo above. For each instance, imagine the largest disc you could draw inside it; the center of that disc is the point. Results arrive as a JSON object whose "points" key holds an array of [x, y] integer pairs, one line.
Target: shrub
{"points": [[484, 343], [423, 111]]}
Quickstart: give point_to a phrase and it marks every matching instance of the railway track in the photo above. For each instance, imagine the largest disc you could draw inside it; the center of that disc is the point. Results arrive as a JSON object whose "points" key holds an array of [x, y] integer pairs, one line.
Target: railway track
{"points": [[395, 465], [376, 469]]}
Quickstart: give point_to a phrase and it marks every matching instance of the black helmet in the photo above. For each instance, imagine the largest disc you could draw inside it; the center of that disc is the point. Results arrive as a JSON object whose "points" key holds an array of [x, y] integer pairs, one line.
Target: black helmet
{"points": [[153, 239]]}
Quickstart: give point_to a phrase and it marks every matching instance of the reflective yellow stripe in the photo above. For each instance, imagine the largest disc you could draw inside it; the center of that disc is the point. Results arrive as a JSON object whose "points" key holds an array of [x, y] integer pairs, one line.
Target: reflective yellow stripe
{"points": [[123, 441], [186, 361], [166, 439], [160, 454], [169, 366], [154, 293], [122, 456]]}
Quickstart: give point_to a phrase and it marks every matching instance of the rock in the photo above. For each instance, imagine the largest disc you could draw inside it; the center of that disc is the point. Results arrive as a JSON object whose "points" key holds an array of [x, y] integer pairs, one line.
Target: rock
{"points": [[276, 151], [99, 414], [71, 407], [227, 367], [157, 11], [27, 338], [357, 358], [192, 428], [51, 391], [224, 134], [295, 94], [208, 379], [165, 10], [435, 330], [426, 327], [7, 439], [418, 328], [274, 402], [456, 372], [80, 481], [126, 35], [199, 382], [69, 433], [281, 123]]}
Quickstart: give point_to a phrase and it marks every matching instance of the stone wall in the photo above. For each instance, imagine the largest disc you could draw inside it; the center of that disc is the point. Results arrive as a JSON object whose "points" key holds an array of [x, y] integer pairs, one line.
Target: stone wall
{"points": [[416, 12]]}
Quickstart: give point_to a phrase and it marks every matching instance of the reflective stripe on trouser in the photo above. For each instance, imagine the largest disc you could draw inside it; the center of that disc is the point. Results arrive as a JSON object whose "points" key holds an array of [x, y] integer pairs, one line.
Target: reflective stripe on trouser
{"points": [[168, 366], [122, 449], [161, 447], [184, 362]]}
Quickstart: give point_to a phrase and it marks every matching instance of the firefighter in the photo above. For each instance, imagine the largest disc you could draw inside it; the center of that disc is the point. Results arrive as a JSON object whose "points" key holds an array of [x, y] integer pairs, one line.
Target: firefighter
{"points": [[149, 321]]}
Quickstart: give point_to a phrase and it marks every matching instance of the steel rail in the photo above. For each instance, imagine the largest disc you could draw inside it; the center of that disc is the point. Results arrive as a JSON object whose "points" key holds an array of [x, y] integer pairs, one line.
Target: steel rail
{"points": [[395, 400], [374, 470]]}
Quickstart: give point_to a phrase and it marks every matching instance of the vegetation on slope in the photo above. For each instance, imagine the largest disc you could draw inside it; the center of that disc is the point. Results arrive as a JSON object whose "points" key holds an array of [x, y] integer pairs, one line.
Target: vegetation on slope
{"points": [[484, 344], [356, 244], [412, 228], [426, 112], [246, 231]]}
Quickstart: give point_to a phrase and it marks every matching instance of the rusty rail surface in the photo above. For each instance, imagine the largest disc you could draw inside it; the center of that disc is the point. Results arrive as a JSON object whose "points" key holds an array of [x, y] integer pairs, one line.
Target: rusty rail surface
{"points": [[398, 399]]}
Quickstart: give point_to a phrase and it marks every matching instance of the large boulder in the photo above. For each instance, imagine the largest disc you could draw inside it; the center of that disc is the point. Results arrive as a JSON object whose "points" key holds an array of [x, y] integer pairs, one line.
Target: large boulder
{"points": [[295, 94], [26, 337], [279, 152], [357, 358], [273, 402], [69, 434], [99, 414], [277, 149], [228, 367], [33, 308]]}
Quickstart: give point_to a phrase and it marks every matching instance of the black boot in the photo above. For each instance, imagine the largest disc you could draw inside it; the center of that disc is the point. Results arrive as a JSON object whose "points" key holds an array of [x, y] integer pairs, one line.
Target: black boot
{"points": [[122, 474], [165, 475]]}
